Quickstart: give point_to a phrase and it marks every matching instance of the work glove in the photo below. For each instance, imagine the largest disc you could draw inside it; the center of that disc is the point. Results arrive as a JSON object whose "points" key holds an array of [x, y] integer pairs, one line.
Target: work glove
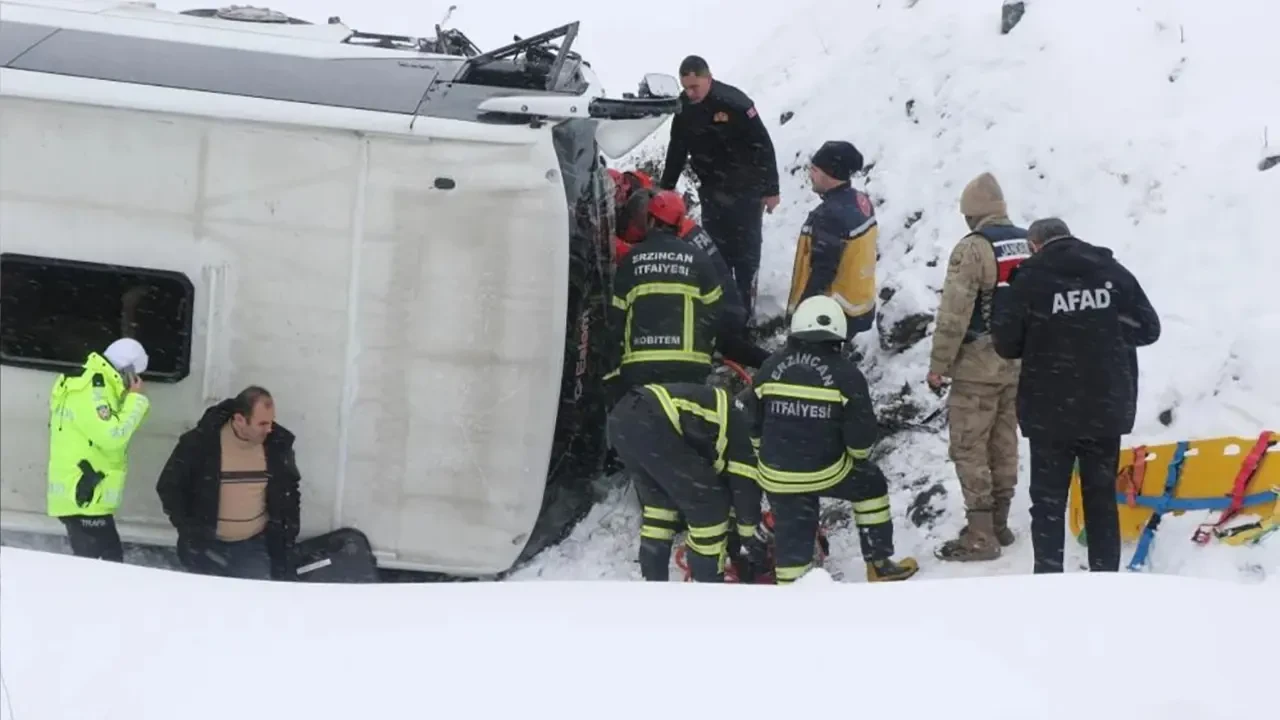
{"points": [[752, 556], [88, 483]]}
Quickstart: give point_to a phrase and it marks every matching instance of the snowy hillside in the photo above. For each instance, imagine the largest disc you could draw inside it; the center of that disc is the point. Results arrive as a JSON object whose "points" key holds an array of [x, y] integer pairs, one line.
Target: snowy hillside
{"points": [[1139, 123], [191, 647]]}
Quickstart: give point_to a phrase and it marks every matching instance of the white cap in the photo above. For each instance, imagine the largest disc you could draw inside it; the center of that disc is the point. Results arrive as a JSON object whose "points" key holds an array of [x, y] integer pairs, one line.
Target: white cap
{"points": [[127, 353]]}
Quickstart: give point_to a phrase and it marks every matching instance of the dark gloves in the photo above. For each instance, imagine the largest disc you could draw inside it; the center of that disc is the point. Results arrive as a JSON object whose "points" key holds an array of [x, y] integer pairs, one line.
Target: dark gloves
{"points": [[88, 483], [753, 557]]}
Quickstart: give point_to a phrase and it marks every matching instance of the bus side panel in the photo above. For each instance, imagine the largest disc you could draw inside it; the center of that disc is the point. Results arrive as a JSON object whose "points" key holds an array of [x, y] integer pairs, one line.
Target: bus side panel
{"points": [[461, 322], [257, 218]]}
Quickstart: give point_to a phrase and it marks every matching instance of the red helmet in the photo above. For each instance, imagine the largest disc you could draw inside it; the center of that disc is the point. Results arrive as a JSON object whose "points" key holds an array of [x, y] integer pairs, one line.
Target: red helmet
{"points": [[667, 207], [638, 179]]}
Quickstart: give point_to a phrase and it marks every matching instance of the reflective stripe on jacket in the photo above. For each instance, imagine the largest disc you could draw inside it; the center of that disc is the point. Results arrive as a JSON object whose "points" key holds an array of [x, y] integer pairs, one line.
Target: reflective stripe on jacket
{"points": [[91, 421]]}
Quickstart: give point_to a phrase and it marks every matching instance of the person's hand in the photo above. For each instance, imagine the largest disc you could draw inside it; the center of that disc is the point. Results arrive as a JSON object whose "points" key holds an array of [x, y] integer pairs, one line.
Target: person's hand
{"points": [[770, 202], [135, 385], [935, 380]]}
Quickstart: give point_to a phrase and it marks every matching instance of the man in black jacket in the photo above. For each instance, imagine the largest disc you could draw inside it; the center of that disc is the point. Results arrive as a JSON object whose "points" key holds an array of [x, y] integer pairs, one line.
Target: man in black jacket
{"points": [[718, 132], [230, 488], [1074, 315]]}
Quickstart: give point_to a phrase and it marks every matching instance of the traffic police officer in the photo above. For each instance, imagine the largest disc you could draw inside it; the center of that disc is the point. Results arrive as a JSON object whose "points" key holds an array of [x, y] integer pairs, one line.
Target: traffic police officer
{"points": [[814, 426], [92, 418]]}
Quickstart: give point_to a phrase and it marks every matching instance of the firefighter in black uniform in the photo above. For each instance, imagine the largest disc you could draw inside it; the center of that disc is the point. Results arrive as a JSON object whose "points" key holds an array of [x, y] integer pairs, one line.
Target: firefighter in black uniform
{"points": [[814, 426], [718, 132], [731, 336], [690, 451], [667, 305]]}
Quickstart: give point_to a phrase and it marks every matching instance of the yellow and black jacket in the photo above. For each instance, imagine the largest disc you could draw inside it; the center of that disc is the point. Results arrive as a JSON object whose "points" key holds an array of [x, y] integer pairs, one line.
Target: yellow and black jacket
{"points": [[836, 256], [665, 312], [812, 418], [718, 430]]}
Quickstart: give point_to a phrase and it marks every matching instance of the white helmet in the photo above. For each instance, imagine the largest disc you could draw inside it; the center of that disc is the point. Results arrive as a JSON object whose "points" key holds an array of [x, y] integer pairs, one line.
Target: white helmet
{"points": [[819, 318], [127, 353]]}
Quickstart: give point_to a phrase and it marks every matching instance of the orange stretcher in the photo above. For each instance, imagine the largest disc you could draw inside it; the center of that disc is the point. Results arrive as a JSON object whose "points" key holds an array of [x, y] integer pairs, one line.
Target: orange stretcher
{"points": [[1217, 474]]}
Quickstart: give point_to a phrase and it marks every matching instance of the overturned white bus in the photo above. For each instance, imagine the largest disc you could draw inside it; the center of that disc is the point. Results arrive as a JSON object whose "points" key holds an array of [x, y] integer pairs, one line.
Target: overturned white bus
{"points": [[406, 240]]}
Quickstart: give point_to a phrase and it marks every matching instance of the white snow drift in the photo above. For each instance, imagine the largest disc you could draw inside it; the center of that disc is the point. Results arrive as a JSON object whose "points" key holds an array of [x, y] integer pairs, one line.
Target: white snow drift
{"points": [[85, 639]]}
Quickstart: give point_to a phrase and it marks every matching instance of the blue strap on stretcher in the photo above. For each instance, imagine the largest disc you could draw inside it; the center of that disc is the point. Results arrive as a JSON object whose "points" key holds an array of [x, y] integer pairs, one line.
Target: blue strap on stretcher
{"points": [[1160, 506], [1189, 504]]}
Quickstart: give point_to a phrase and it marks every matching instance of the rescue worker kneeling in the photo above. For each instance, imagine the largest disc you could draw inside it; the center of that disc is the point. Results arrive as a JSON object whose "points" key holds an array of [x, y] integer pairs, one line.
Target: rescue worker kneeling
{"points": [[814, 426], [691, 459], [666, 307]]}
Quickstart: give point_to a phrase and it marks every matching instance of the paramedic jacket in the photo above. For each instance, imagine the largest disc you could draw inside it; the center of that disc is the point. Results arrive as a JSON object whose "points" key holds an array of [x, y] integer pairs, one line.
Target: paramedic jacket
{"points": [[812, 418], [718, 430], [666, 307], [836, 256]]}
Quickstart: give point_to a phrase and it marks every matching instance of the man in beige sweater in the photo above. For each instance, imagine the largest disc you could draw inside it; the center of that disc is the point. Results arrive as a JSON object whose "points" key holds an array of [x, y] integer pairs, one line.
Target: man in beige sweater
{"points": [[231, 489], [984, 386]]}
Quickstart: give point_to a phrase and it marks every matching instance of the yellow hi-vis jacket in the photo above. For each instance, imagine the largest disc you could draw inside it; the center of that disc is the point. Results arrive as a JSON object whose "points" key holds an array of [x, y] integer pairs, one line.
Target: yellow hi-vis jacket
{"points": [[836, 256], [91, 421]]}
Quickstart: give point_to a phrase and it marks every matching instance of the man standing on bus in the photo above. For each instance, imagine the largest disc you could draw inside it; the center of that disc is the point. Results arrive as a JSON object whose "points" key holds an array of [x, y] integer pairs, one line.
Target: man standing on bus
{"points": [[92, 418], [719, 133]]}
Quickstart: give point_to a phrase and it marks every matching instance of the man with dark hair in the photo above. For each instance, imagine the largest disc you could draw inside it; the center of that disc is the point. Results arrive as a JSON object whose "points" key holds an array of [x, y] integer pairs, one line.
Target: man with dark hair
{"points": [[230, 488], [719, 133], [1074, 316]]}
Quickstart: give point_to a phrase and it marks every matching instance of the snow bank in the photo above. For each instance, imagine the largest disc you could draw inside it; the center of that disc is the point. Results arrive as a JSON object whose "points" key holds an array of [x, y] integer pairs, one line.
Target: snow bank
{"points": [[1139, 123], [89, 639]]}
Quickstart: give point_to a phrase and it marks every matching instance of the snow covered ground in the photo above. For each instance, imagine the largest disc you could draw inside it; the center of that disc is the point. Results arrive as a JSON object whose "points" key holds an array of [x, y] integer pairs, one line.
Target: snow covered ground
{"points": [[1139, 123], [84, 639]]}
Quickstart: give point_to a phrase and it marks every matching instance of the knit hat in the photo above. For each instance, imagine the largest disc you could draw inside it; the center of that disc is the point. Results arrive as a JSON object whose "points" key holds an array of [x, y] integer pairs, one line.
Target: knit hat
{"points": [[838, 158], [127, 353], [983, 198]]}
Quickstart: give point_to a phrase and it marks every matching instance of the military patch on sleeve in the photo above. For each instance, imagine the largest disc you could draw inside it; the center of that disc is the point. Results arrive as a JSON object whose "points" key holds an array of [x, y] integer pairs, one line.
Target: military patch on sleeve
{"points": [[751, 111], [104, 412], [956, 260], [864, 204]]}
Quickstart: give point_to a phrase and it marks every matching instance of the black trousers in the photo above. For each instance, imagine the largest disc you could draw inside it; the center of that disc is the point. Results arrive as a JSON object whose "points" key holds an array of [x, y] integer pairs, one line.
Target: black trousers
{"points": [[94, 537], [677, 489], [735, 224], [795, 520], [1052, 460]]}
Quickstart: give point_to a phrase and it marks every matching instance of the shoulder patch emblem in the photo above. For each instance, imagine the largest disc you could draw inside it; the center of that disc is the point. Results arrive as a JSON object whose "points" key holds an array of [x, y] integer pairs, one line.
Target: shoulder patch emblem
{"points": [[751, 111], [720, 117], [104, 412], [864, 205]]}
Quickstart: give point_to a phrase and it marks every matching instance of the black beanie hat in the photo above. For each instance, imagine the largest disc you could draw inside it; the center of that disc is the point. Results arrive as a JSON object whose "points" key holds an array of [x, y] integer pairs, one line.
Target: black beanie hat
{"points": [[838, 159]]}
